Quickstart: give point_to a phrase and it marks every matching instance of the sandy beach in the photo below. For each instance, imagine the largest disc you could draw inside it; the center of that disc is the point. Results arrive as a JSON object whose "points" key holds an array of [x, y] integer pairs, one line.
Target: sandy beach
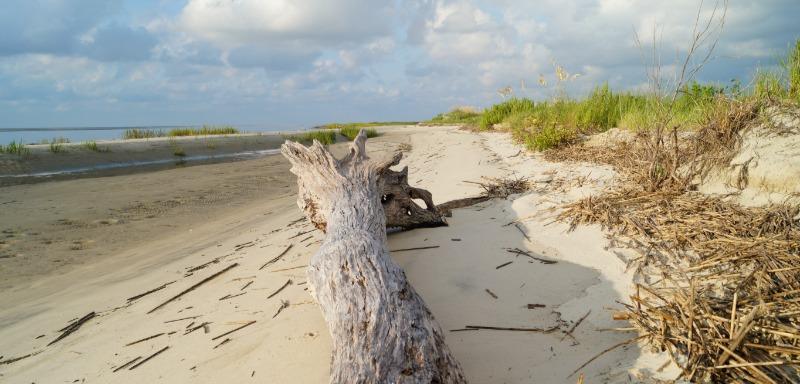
{"points": [[233, 233]]}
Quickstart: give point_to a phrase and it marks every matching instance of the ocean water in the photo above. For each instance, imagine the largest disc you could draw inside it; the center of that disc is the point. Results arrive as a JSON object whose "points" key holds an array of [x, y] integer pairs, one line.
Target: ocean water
{"points": [[79, 134]]}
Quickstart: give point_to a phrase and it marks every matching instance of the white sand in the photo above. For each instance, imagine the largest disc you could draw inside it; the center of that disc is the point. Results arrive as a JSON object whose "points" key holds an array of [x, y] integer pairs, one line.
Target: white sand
{"points": [[294, 347]]}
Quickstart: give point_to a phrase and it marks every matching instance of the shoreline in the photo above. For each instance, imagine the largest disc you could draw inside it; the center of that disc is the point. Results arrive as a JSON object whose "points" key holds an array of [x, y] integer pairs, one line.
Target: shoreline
{"points": [[189, 241]]}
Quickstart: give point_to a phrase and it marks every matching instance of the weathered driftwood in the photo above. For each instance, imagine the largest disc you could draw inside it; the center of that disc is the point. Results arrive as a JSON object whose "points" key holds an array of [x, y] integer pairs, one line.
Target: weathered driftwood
{"points": [[398, 202], [382, 331]]}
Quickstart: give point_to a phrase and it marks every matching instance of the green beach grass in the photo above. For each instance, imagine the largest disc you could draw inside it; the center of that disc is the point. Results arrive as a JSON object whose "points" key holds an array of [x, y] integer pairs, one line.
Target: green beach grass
{"points": [[542, 125]]}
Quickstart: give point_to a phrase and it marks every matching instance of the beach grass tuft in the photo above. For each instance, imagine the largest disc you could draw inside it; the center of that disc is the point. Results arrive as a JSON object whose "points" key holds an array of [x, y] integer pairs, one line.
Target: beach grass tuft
{"points": [[366, 124], [15, 148], [206, 130], [467, 116], [92, 146], [351, 132], [325, 137]]}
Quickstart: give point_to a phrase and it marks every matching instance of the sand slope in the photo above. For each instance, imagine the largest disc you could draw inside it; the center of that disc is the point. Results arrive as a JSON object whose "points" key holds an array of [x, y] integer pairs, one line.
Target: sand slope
{"points": [[293, 347]]}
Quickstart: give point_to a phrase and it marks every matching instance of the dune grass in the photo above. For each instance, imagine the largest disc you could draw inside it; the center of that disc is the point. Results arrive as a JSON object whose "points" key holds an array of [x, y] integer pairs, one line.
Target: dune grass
{"points": [[325, 137], [92, 146], [15, 148], [366, 124], [351, 132], [457, 116], [542, 125], [203, 131], [206, 130]]}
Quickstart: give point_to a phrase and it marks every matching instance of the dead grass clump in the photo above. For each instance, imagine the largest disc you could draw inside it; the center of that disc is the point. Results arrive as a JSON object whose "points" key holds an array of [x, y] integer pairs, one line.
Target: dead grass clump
{"points": [[495, 187], [721, 282], [720, 289]]}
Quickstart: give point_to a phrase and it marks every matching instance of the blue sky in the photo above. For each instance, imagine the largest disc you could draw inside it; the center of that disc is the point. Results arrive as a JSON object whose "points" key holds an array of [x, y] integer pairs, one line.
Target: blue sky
{"points": [[293, 63]]}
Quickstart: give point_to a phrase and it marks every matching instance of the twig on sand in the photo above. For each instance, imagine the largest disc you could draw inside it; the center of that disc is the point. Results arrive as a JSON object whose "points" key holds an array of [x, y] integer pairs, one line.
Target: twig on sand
{"points": [[149, 357], [223, 342], [246, 285], [519, 329], [301, 234], [123, 366], [290, 268], [572, 328], [15, 359], [503, 265], [145, 339], [491, 293], [414, 249], [249, 323], [183, 318], [611, 348], [72, 327], [229, 296], [534, 306], [139, 296], [276, 258], [187, 290], [280, 289], [518, 251], [284, 305], [203, 325], [522, 232]]}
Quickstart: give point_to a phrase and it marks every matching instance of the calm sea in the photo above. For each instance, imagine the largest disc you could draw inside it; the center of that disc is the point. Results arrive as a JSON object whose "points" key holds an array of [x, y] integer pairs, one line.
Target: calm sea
{"points": [[78, 134]]}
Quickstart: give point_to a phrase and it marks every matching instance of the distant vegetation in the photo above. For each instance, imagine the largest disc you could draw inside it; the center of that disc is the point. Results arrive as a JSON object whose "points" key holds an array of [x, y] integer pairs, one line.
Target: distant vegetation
{"points": [[136, 133], [15, 148], [459, 116], [552, 123], [352, 132], [56, 145], [325, 137], [92, 146], [368, 124]]}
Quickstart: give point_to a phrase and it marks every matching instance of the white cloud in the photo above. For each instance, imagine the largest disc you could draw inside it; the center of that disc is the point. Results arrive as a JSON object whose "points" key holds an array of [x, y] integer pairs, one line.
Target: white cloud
{"points": [[235, 22]]}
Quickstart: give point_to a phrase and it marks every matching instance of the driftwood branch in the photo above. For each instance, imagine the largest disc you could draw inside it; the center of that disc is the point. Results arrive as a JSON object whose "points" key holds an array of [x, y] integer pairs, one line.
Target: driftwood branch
{"points": [[382, 331]]}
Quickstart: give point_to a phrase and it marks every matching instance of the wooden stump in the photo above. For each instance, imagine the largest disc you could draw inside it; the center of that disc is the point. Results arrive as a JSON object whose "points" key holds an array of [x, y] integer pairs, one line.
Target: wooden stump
{"points": [[382, 330]]}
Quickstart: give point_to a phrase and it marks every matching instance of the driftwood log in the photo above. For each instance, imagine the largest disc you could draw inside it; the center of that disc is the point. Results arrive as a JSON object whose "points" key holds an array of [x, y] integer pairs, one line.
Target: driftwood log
{"points": [[397, 198], [382, 330]]}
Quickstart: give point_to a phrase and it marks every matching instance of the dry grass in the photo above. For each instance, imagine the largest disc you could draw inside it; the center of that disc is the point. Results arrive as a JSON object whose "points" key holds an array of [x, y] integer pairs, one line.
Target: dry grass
{"points": [[721, 282]]}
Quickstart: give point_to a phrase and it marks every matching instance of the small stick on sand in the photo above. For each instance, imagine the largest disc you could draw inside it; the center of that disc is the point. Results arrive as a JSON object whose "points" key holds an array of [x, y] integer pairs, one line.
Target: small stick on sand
{"points": [[284, 305], [503, 265], [534, 306], [491, 293], [414, 249], [572, 328], [523, 232], [187, 290], [300, 234], [139, 296], [123, 366], [145, 339], [73, 327], [149, 357], [280, 289], [15, 359], [542, 330], [277, 257], [290, 268], [235, 329], [226, 297], [196, 328], [184, 318], [223, 342], [606, 351], [518, 251], [246, 285]]}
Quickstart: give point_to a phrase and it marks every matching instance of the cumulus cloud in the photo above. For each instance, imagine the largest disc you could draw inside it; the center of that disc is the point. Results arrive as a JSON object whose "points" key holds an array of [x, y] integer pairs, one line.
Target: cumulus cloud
{"points": [[346, 59]]}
